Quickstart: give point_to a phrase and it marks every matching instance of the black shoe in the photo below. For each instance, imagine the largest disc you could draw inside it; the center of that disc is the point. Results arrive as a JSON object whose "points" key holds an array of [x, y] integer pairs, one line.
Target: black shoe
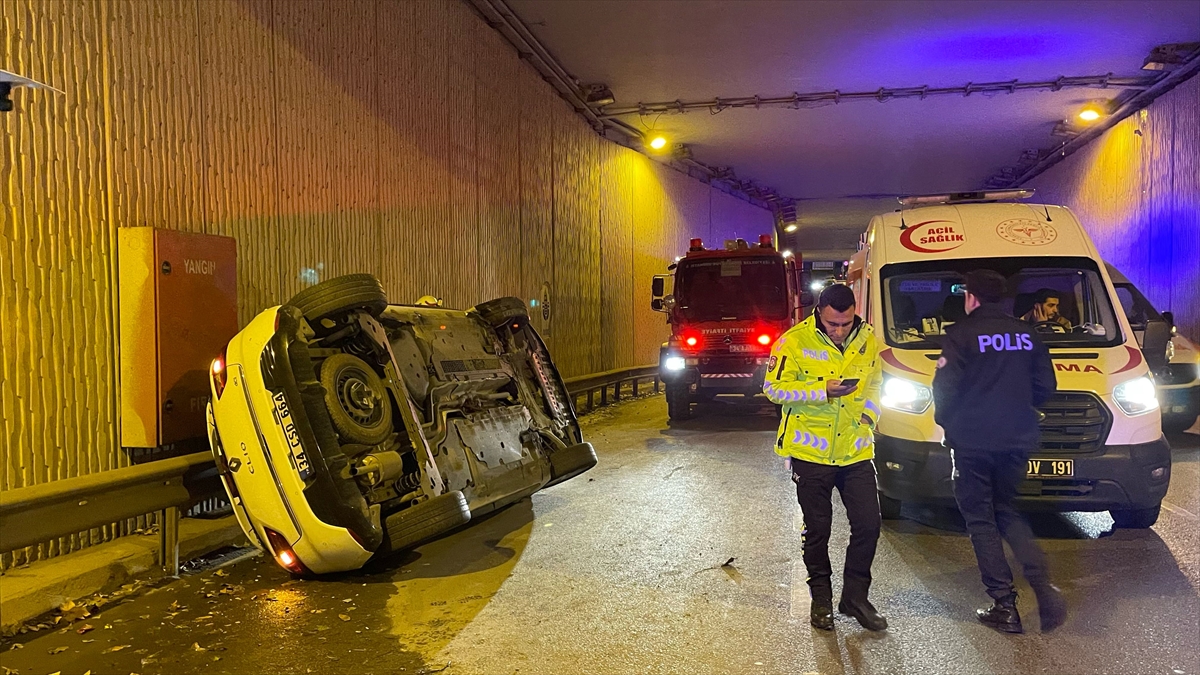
{"points": [[866, 614], [1002, 615], [821, 616], [1052, 607]]}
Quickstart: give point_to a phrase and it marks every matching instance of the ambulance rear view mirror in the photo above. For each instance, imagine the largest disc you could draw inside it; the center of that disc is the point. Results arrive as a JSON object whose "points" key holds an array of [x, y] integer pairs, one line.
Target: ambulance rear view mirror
{"points": [[1169, 317], [1154, 344], [806, 298], [658, 287], [656, 304]]}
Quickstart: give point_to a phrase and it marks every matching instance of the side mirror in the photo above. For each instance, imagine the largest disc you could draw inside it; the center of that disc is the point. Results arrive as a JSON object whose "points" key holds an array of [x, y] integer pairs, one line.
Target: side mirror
{"points": [[657, 305], [1154, 344], [1169, 317], [806, 298], [658, 287]]}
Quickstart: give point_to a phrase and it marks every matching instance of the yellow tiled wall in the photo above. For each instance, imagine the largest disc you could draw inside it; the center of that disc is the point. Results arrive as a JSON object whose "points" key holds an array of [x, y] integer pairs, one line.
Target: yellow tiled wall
{"points": [[1136, 189], [402, 138]]}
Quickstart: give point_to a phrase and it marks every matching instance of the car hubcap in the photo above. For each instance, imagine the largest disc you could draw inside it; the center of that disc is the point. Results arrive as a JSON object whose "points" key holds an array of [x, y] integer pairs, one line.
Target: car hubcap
{"points": [[357, 398]]}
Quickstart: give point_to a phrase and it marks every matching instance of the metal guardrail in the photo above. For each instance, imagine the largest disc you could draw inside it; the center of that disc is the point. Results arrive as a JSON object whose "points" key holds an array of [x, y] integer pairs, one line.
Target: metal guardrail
{"points": [[600, 383], [39, 513]]}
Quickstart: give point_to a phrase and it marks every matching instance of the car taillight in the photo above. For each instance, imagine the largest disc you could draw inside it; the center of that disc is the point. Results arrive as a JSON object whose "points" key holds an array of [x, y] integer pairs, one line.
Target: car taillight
{"points": [[284, 555], [764, 339], [218, 373]]}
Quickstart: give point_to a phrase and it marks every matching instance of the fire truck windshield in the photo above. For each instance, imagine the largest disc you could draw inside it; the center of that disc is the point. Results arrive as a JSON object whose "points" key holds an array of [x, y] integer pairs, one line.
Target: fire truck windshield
{"points": [[731, 288]]}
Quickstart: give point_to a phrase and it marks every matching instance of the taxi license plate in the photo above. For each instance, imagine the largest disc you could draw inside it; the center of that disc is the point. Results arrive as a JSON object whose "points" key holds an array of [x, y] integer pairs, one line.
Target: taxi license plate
{"points": [[295, 453], [1051, 468], [741, 348]]}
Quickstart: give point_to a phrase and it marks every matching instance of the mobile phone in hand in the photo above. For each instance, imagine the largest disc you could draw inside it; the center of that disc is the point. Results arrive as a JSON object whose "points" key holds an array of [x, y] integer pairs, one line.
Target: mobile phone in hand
{"points": [[849, 383]]}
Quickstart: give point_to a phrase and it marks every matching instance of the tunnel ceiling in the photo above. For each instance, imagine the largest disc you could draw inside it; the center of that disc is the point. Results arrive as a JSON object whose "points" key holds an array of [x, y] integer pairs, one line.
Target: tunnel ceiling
{"points": [[663, 50]]}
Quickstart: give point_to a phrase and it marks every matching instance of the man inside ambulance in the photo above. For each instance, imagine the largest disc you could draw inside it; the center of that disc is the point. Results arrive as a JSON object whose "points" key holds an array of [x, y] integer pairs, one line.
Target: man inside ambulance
{"points": [[1045, 310]]}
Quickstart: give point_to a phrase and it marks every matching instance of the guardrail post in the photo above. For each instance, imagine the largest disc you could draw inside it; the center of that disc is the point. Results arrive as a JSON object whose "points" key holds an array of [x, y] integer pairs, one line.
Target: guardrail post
{"points": [[656, 384], [635, 382], [617, 390], [604, 394], [168, 540], [591, 400]]}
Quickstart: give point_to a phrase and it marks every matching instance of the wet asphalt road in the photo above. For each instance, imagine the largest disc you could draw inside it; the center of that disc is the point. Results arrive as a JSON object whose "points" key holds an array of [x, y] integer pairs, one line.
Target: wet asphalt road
{"points": [[621, 571]]}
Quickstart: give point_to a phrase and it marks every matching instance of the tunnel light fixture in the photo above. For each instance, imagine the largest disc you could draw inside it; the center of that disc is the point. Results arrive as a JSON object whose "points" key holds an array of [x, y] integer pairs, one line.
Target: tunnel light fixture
{"points": [[1090, 113], [658, 142], [792, 227]]}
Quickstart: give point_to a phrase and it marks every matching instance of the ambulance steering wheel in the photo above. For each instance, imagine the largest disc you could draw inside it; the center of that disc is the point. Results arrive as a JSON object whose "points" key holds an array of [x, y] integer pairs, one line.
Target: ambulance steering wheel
{"points": [[1054, 326]]}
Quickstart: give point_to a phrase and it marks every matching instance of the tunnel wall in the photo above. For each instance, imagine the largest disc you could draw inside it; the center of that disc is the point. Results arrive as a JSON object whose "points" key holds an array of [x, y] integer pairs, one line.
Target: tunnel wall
{"points": [[405, 139], [1136, 189]]}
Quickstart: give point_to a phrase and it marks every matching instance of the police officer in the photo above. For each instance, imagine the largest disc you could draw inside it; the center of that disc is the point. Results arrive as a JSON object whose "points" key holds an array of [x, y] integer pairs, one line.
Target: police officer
{"points": [[826, 434], [992, 375]]}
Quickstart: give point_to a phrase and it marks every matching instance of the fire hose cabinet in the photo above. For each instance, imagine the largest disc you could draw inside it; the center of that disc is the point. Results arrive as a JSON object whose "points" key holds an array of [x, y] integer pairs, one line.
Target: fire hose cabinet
{"points": [[178, 310]]}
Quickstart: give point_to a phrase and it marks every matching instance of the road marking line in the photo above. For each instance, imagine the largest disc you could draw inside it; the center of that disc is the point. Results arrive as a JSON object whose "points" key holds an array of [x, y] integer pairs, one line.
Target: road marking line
{"points": [[1179, 510], [801, 600]]}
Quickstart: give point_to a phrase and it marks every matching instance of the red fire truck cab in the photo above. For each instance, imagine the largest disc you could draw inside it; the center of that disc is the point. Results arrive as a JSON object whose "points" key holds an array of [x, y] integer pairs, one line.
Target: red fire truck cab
{"points": [[726, 307]]}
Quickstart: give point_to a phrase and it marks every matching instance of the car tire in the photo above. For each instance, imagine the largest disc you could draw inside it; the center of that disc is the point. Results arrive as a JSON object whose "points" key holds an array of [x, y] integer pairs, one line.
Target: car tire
{"points": [[889, 508], [339, 296], [424, 521], [570, 462], [1136, 519], [1174, 424], [502, 310], [679, 403], [347, 380]]}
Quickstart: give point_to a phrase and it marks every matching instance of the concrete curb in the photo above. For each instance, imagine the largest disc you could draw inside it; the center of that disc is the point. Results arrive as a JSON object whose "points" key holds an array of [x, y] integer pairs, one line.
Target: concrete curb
{"points": [[28, 592]]}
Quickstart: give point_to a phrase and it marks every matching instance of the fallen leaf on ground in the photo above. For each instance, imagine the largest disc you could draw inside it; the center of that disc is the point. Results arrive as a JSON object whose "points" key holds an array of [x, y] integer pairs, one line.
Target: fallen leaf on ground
{"points": [[317, 611], [16, 646], [57, 650], [221, 573], [206, 617], [344, 617], [729, 563], [115, 648], [85, 628], [197, 648], [348, 600]]}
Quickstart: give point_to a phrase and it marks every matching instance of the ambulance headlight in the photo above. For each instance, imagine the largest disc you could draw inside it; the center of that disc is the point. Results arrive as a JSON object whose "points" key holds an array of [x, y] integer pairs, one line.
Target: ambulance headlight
{"points": [[906, 396], [1136, 396], [674, 363]]}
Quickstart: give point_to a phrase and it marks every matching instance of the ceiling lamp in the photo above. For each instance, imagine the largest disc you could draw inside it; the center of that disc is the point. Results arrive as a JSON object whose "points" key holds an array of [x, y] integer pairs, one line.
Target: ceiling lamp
{"points": [[658, 142], [791, 228], [1091, 113]]}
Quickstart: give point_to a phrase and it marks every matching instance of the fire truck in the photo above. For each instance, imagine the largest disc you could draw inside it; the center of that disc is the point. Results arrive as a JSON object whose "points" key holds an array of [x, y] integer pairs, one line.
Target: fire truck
{"points": [[726, 307]]}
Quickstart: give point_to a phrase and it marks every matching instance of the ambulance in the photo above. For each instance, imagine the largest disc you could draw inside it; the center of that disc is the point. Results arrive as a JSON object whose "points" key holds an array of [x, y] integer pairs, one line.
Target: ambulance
{"points": [[1102, 446]]}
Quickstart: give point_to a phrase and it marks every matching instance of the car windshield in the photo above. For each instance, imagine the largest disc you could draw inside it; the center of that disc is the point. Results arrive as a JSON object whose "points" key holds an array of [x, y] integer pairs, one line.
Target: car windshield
{"points": [[731, 288], [1062, 298], [1137, 308]]}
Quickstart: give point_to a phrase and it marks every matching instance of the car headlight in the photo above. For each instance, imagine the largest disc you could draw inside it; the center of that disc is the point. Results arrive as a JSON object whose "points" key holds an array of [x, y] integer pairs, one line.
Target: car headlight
{"points": [[1136, 396], [674, 363], [905, 395]]}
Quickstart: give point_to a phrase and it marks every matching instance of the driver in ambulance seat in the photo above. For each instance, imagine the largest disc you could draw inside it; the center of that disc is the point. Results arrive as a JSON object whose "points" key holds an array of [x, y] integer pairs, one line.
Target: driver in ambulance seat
{"points": [[1046, 309]]}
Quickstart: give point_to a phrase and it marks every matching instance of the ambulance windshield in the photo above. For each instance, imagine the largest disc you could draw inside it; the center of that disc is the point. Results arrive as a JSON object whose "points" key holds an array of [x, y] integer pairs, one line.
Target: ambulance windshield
{"points": [[731, 288], [1062, 298]]}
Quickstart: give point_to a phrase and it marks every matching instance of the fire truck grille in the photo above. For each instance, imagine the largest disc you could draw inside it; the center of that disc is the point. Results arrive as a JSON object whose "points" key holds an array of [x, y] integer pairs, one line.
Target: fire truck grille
{"points": [[1075, 422]]}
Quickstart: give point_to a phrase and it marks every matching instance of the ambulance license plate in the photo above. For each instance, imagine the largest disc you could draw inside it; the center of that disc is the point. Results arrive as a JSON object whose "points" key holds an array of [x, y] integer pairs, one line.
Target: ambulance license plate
{"points": [[295, 452], [741, 348], [1051, 468]]}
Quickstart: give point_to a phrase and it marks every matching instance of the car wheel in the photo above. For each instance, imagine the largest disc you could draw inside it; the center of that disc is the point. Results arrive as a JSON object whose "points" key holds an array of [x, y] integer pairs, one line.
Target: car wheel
{"points": [[357, 400], [889, 508], [1174, 424], [570, 462], [679, 403], [1136, 519], [502, 310], [432, 517], [339, 296]]}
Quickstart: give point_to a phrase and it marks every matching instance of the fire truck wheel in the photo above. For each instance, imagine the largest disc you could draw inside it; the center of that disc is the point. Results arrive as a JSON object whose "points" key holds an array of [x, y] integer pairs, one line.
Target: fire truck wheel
{"points": [[679, 403], [502, 310], [357, 401], [339, 296]]}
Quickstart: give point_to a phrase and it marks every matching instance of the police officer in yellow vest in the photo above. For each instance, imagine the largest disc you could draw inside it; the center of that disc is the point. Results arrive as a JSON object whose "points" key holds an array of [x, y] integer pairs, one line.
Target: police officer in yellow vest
{"points": [[826, 434]]}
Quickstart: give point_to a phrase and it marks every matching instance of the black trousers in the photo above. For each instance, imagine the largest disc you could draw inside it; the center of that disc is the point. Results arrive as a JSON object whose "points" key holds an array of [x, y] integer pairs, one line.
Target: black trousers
{"points": [[985, 485], [814, 491]]}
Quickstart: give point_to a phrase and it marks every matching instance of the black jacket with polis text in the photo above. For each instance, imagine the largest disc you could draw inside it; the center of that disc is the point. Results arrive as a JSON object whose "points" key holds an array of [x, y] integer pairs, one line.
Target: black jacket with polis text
{"points": [[993, 374]]}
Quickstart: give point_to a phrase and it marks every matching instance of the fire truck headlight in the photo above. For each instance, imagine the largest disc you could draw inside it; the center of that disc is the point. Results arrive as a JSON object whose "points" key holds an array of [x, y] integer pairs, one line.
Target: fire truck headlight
{"points": [[1136, 396], [907, 396], [674, 363]]}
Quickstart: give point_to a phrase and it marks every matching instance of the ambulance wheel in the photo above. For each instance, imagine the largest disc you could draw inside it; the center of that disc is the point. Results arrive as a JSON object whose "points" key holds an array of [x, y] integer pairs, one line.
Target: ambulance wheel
{"points": [[679, 402], [889, 508], [357, 401], [1135, 519], [327, 301], [432, 517], [502, 310]]}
